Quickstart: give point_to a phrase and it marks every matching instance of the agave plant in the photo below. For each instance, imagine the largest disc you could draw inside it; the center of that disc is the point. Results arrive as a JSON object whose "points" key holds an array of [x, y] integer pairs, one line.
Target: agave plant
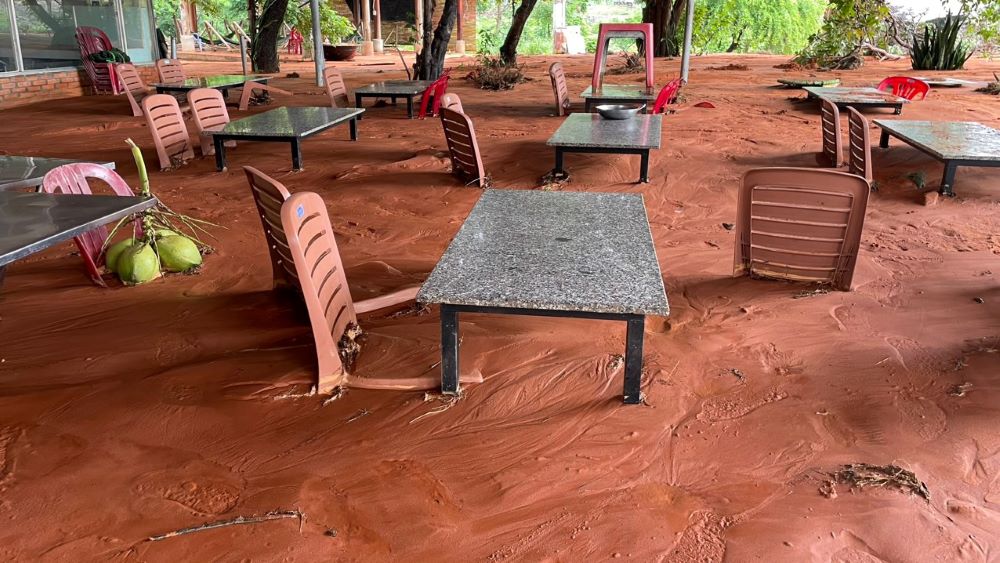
{"points": [[940, 48]]}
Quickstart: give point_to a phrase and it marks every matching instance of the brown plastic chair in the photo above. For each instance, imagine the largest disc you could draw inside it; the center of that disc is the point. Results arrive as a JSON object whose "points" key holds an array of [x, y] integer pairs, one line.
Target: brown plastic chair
{"points": [[800, 224], [859, 146], [452, 102], [466, 162], [209, 113], [170, 134], [559, 88], [268, 195], [132, 85], [249, 86], [320, 271], [335, 88], [833, 144], [170, 72], [73, 179]]}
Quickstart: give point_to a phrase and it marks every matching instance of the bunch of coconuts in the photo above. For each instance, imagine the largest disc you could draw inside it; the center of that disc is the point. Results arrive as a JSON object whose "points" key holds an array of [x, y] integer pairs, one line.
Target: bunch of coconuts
{"points": [[140, 260]]}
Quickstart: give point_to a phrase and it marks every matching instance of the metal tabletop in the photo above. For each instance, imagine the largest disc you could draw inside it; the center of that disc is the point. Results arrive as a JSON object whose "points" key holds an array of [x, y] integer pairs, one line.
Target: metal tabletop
{"points": [[394, 88], [947, 140], [858, 97], [591, 130], [286, 123], [18, 172], [218, 81]]}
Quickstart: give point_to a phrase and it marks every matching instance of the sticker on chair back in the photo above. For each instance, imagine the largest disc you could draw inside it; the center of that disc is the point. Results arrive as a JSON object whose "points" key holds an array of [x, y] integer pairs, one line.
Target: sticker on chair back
{"points": [[299, 211]]}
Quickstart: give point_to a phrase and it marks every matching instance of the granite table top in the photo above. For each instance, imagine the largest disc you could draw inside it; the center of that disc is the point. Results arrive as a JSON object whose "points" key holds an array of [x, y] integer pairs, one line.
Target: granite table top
{"points": [[17, 172], [395, 87], [30, 222], [945, 81], [590, 130], [947, 140], [620, 92], [561, 251], [809, 81], [855, 95], [288, 122], [216, 81]]}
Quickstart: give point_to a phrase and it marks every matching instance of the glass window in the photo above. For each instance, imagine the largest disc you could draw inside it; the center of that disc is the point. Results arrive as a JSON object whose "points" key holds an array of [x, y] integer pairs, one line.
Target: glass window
{"points": [[46, 29], [139, 40], [7, 59]]}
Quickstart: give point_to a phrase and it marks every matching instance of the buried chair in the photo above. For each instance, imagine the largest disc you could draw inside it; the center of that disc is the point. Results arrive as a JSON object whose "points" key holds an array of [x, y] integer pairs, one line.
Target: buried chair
{"points": [[667, 95], [800, 224], [73, 179], [466, 162], [559, 88], [335, 88], [132, 85], [452, 102], [209, 113], [103, 77], [268, 195], [247, 94], [905, 87], [170, 72], [166, 125], [433, 94], [859, 146], [833, 145]]}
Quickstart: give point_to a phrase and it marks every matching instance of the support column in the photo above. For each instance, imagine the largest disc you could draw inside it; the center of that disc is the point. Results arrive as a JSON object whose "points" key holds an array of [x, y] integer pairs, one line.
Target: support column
{"points": [[688, 29], [317, 41], [367, 47], [459, 41], [419, 11], [377, 43]]}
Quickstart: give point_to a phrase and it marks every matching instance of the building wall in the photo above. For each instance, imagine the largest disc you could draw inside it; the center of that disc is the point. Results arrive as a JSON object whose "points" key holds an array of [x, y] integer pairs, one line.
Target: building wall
{"points": [[405, 26], [17, 90]]}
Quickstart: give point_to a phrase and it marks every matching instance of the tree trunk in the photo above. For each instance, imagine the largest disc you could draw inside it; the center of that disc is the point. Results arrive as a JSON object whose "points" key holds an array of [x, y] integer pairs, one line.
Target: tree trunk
{"points": [[265, 43], [665, 15], [736, 41], [430, 62], [508, 52]]}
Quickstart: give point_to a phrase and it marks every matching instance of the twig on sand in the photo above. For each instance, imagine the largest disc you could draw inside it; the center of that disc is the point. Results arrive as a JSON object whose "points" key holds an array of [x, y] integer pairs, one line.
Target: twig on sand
{"points": [[447, 400], [359, 414], [862, 475], [337, 393], [239, 520]]}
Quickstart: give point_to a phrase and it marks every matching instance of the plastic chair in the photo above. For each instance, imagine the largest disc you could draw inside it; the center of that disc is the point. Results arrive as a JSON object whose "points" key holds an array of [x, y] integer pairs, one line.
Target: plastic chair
{"points": [[170, 134], [132, 86], [320, 271], [859, 147], [295, 41], [559, 88], [170, 72], [335, 88], [209, 113], [800, 224], [268, 195], [833, 144], [905, 87], [103, 77], [452, 102], [73, 179], [249, 86], [466, 162], [667, 95], [437, 89], [611, 31]]}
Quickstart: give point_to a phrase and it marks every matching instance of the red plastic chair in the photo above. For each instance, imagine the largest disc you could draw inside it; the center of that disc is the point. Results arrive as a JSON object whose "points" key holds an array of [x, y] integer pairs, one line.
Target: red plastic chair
{"points": [[437, 89], [905, 87], [295, 41], [103, 77], [72, 179], [667, 95], [609, 31]]}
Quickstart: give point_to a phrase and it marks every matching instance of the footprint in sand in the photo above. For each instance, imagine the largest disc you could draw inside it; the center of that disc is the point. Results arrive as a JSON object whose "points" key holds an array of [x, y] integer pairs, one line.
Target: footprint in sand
{"points": [[738, 404], [201, 487]]}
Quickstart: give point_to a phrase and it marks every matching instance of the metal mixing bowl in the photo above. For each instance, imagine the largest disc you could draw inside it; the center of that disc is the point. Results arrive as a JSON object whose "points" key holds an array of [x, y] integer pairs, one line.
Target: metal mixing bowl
{"points": [[619, 111]]}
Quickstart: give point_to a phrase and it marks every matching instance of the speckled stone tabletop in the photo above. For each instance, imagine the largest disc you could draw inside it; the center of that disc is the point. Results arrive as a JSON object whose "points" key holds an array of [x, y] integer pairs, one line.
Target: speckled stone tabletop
{"points": [[859, 96], [563, 251], [620, 91], [395, 87], [217, 81], [947, 140], [18, 172], [289, 122], [591, 130]]}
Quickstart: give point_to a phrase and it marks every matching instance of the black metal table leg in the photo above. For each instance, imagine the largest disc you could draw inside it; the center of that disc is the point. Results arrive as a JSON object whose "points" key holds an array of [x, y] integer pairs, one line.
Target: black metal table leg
{"points": [[644, 167], [409, 106], [357, 102], [296, 155], [3, 275], [449, 350], [899, 109], [354, 129], [883, 141], [948, 180], [559, 161], [586, 105], [633, 360], [220, 152]]}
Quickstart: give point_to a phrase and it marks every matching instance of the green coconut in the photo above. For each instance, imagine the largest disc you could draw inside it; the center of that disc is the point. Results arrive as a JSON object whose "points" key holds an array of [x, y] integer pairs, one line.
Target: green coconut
{"points": [[137, 264], [178, 253], [160, 233], [115, 250]]}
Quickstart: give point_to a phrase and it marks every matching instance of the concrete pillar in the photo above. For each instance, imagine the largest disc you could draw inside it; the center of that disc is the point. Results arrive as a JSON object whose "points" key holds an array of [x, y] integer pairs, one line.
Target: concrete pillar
{"points": [[367, 47], [688, 29], [419, 11], [378, 44]]}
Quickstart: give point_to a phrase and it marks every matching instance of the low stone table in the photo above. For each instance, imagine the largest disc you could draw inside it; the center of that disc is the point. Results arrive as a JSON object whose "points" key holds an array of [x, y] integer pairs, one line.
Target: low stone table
{"points": [[955, 143], [553, 254], [591, 133], [221, 82], [858, 97], [284, 125], [812, 82], [617, 94], [19, 172], [944, 82], [394, 90]]}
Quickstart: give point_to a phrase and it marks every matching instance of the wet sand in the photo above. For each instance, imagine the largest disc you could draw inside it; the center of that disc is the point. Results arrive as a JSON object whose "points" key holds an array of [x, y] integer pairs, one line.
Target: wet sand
{"points": [[131, 412]]}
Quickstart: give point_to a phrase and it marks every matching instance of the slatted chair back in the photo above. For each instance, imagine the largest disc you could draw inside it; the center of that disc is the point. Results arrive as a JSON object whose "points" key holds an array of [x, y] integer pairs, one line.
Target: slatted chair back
{"points": [[103, 78], [170, 134], [667, 95], [209, 113], [320, 271], [452, 102], [431, 98], [75, 179], [268, 196], [559, 88], [800, 224], [170, 72], [466, 162], [859, 145], [833, 144], [335, 88], [905, 87], [131, 84]]}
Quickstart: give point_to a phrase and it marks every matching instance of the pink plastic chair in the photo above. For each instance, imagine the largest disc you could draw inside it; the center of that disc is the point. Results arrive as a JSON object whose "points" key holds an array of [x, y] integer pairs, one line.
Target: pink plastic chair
{"points": [[320, 271], [466, 162], [559, 88], [268, 195], [436, 90], [170, 72], [905, 87], [859, 150], [103, 78], [295, 41], [611, 31], [209, 113], [132, 86], [833, 144], [667, 95], [73, 179], [452, 102], [335, 88], [170, 134]]}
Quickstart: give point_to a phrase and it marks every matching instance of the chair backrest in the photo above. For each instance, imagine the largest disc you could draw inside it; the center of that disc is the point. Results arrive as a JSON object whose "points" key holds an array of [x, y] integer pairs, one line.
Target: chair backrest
{"points": [[801, 224], [208, 109], [466, 162], [437, 89], [667, 95], [170, 72], [268, 195], [92, 40], [335, 88], [452, 102], [859, 145], [833, 144], [559, 88], [321, 277], [166, 125], [73, 179], [905, 87], [130, 79]]}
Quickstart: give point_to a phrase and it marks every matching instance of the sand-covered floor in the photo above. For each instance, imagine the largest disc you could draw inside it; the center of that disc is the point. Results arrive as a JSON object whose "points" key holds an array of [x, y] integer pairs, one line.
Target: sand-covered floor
{"points": [[131, 412]]}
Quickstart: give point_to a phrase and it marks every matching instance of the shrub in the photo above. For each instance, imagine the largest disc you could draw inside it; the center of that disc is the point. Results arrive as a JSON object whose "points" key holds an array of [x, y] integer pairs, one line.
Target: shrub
{"points": [[940, 48], [491, 73]]}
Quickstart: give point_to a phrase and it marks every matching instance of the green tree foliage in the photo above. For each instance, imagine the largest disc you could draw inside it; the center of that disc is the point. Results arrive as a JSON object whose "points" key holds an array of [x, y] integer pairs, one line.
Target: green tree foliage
{"points": [[770, 26], [983, 20], [334, 27], [849, 27]]}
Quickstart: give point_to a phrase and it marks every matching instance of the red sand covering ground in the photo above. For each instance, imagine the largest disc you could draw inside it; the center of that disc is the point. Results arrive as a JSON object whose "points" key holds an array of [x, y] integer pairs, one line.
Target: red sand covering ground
{"points": [[131, 412]]}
